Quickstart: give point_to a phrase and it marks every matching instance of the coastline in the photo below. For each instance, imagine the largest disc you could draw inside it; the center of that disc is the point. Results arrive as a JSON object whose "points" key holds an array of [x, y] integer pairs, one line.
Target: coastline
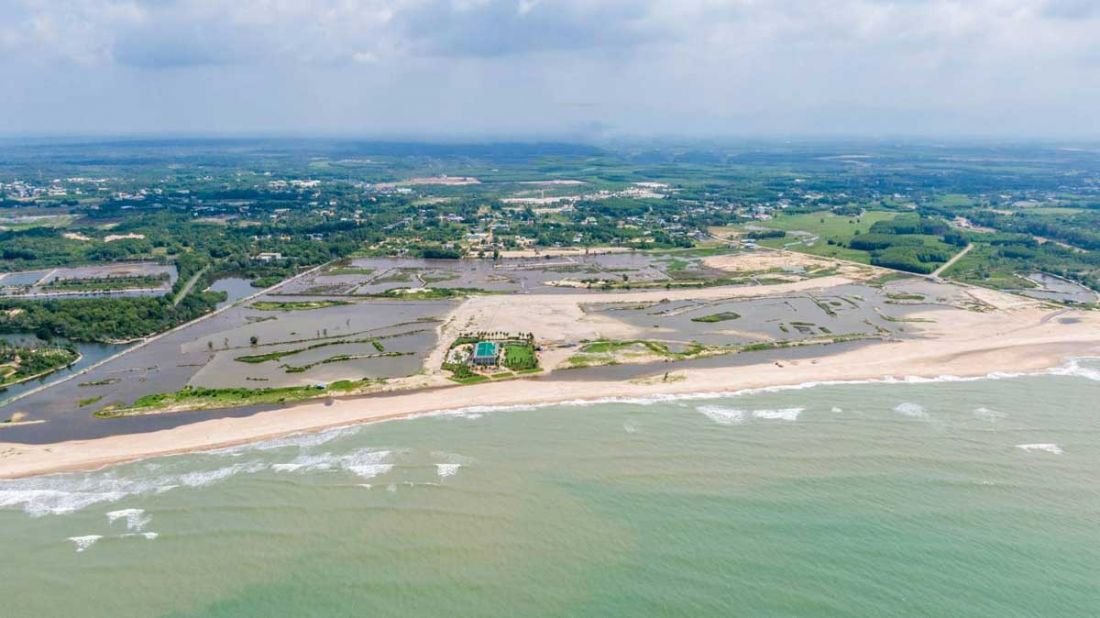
{"points": [[1030, 348]]}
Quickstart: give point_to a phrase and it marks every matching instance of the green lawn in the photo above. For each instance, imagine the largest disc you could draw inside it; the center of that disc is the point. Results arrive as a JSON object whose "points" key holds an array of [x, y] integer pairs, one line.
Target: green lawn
{"points": [[519, 356], [826, 226]]}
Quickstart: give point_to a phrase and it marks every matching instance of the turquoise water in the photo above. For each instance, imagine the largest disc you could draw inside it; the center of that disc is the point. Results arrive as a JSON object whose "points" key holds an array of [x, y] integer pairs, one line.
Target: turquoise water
{"points": [[977, 498]]}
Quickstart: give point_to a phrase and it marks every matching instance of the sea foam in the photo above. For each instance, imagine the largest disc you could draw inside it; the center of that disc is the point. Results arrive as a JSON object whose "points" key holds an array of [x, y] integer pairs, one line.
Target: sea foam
{"points": [[445, 470], [784, 414], [65, 493], [84, 542], [912, 410], [988, 414], [723, 416], [1053, 449], [136, 519]]}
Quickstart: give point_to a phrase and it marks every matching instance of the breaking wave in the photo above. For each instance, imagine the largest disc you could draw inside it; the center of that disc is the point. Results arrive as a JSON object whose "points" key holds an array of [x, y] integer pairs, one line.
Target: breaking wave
{"points": [[84, 542], [784, 414], [912, 410], [988, 414], [445, 470], [136, 519], [66, 493], [1053, 449], [723, 416]]}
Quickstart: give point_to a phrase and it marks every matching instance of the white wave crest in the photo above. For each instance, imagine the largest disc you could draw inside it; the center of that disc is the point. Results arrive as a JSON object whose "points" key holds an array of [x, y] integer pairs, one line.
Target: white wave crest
{"points": [[136, 519], [1053, 449], [65, 493], [1074, 368], [84, 542], [365, 463], [988, 414], [836, 410], [783, 414], [303, 441], [912, 410], [723, 416], [445, 470]]}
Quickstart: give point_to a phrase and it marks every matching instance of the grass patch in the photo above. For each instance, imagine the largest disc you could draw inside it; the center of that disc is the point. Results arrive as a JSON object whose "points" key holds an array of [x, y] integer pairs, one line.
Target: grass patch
{"points": [[520, 356], [723, 316], [89, 401], [339, 358], [196, 398], [350, 270], [100, 382], [303, 305], [278, 354]]}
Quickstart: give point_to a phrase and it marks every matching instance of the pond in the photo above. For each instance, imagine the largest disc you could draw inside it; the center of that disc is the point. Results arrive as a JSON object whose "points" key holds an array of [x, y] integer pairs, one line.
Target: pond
{"points": [[90, 353], [235, 288]]}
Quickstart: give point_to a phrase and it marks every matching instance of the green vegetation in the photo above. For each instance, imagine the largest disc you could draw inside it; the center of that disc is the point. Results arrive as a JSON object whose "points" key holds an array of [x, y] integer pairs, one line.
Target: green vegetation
{"points": [[196, 398], [19, 363], [212, 210], [106, 284], [102, 319], [103, 382], [89, 401], [821, 233], [591, 353], [305, 305], [461, 373], [905, 296], [722, 316], [908, 242], [520, 356], [340, 358], [278, 354]]}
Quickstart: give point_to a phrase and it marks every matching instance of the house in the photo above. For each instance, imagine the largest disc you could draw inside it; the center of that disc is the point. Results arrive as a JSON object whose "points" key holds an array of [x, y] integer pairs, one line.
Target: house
{"points": [[485, 353], [268, 257]]}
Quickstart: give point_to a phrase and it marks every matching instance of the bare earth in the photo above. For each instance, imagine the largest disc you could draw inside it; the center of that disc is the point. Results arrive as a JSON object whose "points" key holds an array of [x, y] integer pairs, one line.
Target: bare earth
{"points": [[1019, 336]]}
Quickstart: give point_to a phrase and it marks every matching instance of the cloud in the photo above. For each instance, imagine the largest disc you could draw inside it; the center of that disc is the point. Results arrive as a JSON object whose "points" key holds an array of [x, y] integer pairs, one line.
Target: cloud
{"points": [[656, 66]]}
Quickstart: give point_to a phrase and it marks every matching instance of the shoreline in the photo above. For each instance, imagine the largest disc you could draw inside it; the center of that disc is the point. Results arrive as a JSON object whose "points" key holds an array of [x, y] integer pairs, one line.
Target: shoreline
{"points": [[886, 362]]}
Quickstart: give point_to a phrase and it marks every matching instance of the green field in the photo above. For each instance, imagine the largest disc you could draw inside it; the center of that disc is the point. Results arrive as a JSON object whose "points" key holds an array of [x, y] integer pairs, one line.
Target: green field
{"points": [[825, 226], [829, 235], [520, 356]]}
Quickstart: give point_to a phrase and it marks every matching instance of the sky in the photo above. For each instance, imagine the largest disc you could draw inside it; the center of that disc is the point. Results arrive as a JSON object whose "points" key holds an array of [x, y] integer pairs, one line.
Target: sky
{"points": [[574, 69]]}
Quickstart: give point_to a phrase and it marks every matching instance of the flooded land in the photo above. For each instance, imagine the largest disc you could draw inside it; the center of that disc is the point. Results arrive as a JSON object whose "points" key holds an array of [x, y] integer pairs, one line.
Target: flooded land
{"points": [[386, 324], [124, 279]]}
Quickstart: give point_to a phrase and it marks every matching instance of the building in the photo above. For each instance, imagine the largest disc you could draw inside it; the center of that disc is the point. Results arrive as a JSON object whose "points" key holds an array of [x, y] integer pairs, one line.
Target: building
{"points": [[485, 353]]}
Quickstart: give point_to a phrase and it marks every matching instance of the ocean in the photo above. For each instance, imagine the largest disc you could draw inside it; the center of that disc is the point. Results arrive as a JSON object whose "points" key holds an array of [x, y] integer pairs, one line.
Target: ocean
{"points": [[919, 498]]}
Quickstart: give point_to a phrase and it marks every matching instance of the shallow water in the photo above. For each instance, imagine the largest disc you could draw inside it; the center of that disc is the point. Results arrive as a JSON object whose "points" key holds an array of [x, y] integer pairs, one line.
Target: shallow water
{"points": [[90, 354], [946, 498]]}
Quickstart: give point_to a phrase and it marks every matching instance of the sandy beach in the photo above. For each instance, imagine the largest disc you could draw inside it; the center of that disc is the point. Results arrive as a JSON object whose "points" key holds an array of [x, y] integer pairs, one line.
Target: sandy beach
{"points": [[1020, 336]]}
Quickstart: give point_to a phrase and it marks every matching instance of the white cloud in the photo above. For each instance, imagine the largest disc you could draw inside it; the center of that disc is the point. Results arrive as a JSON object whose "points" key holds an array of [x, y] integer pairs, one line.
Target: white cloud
{"points": [[1009, 66]]}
